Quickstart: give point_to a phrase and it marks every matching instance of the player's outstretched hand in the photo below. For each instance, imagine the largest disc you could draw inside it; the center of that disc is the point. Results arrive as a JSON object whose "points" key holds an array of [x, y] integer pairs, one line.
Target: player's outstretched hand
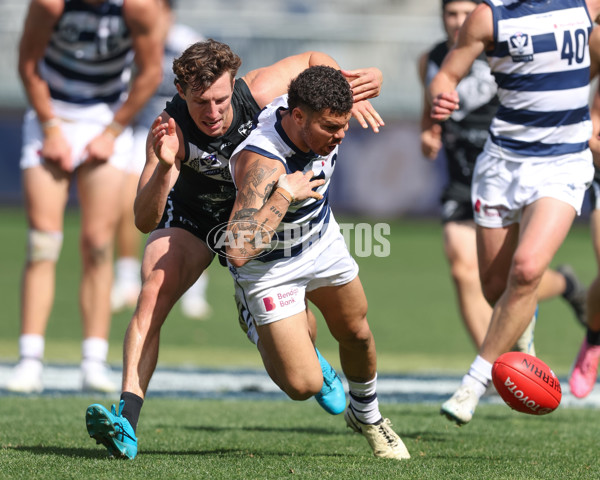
{"points": [[367, 116], [365, 82], [300, 185], [164, 140]]}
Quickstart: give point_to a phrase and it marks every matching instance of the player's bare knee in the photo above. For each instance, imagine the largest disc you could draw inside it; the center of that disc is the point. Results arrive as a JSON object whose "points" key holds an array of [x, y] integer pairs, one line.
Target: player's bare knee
{"points": [[358, 338], [526, 272], [43, 245], [303, 388], [96, 252], [464, 273]]}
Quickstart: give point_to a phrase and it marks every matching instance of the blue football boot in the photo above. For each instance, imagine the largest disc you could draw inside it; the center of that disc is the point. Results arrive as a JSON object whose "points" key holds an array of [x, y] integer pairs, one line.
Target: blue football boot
{"points": [[331, 397], [112, 430]]}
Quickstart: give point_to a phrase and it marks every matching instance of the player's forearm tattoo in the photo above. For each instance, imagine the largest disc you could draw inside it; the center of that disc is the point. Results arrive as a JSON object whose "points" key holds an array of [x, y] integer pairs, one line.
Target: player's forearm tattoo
{"points": [[252, 180], [276, 211], [247, 231]]}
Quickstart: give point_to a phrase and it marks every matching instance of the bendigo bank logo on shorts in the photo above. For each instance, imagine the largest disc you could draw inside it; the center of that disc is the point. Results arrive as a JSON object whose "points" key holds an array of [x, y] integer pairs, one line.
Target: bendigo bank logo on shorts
{"points": [[483, 209], [241, 236], [281, 299]]}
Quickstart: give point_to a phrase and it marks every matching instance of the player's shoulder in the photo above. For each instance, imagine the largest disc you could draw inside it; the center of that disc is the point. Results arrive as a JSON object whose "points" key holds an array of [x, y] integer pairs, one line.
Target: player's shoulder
{"points": [[141, 13], [52, 8]]}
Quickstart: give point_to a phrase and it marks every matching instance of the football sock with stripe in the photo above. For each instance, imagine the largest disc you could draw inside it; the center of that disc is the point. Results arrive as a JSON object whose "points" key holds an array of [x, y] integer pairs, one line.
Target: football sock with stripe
{"points": [[363, 401]]}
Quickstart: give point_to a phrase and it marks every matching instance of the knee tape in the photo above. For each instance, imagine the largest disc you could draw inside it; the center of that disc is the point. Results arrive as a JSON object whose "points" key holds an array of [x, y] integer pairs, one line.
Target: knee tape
{"points": [[43, 245]]}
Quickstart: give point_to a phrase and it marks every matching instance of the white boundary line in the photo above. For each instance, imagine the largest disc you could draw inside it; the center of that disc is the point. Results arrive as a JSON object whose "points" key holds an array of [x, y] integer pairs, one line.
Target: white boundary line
{"points": [[211, 383]]}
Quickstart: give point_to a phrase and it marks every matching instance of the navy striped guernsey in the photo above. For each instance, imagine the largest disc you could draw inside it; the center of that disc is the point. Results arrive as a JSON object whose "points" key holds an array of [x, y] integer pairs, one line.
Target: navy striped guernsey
{"points": [[88, 59], [306, 221], [541, 64]]}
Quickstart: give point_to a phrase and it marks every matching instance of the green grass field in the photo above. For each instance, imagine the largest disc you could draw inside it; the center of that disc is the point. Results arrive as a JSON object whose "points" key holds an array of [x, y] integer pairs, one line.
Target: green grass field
{"points": [[46, 438], [412, 309], [414, 318]]}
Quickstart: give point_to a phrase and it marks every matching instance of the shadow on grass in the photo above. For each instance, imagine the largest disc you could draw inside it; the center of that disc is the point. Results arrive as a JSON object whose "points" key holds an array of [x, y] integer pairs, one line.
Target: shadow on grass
{"points": [[212, 428], [91, 453], [101, 454]]}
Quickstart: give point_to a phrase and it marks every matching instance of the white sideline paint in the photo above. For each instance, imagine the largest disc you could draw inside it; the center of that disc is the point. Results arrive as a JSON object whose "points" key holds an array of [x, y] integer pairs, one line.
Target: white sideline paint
{"points": [[211, 383]]}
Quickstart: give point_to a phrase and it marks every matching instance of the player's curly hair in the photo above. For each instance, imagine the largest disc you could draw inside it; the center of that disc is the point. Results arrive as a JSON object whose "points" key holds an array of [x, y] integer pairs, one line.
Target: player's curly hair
{"points": [[321, 88], [202, 63]]}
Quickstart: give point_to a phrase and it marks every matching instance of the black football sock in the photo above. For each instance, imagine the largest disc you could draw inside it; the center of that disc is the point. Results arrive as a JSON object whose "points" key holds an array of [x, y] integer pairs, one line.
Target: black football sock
{"points": [[593, 338], [569, 287], [132, 408]]}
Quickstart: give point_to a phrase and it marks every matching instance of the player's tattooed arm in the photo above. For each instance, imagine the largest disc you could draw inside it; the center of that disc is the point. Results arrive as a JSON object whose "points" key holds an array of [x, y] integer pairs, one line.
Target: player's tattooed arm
{"points": [[255, 190], [256, 212]]}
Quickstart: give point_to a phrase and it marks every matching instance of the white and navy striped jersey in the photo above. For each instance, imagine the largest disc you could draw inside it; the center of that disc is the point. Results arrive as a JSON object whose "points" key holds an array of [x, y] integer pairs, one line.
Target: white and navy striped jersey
{"points": [[88, 59], [305, 221], [541, 64]]}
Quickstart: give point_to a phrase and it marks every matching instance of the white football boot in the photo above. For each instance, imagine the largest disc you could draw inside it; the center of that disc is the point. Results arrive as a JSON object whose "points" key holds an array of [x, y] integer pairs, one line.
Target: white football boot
{"points": [[95, 377], [383, 440], [461, 406], [26, 377]]}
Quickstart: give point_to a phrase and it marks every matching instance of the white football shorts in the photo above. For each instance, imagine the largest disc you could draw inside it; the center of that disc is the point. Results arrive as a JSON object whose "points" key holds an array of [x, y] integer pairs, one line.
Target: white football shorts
{"points": [[80, 123], [270, 291], [501, 188]]}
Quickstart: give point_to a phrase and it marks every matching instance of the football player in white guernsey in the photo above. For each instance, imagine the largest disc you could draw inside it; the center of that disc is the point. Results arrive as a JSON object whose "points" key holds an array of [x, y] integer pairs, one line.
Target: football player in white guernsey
{"points": [[461, 140], [282, 174], [529, 182], [75, 59]]}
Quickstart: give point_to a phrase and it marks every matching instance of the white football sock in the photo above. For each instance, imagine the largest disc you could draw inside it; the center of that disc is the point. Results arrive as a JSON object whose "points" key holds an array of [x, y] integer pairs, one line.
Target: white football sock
{"points": [[479, 376], [94, 350], [31, 347], [363, 400]]}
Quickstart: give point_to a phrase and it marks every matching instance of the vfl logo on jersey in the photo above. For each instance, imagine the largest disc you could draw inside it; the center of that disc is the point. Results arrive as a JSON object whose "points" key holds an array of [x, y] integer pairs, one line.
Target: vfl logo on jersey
{"points": [[209, 164], [520, 47]]}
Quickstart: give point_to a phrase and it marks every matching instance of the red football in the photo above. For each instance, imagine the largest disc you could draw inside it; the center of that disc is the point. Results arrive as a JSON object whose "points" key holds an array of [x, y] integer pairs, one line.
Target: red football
{"points": [[526, 383]]}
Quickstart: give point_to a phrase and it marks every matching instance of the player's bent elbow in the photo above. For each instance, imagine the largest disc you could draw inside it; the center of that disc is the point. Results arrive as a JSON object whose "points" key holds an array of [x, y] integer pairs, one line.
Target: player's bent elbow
{"points": [[144, 226]]}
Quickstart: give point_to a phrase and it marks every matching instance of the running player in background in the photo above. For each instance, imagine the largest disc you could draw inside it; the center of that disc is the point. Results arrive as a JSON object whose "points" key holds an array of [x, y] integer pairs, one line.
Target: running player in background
{"points": [[127, 282], [530, 180], [75, 61], [461, 139]]}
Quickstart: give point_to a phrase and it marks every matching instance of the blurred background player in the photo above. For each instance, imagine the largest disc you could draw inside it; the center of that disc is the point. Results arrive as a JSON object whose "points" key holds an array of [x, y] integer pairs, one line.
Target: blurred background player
{"points": [[75, 60], [127, 282], [585, 368], [461, 138]]}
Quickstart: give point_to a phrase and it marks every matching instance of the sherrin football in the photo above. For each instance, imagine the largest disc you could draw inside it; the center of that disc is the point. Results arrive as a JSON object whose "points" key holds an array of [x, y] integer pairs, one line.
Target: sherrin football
{"points": [[526, 383]]}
